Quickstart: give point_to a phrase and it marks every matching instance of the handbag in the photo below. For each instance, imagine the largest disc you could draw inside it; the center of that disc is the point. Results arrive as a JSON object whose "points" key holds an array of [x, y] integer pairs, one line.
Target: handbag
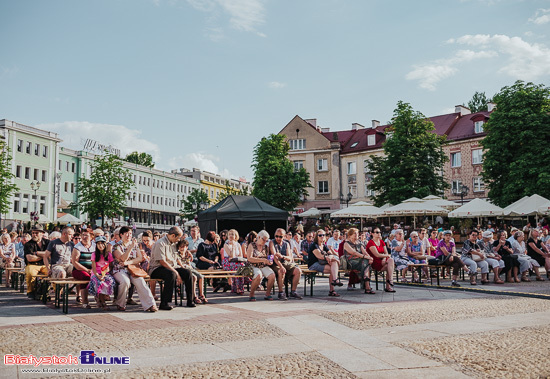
{"points": [[246, 271], [136, 271], [238, 259], [477, 258]]}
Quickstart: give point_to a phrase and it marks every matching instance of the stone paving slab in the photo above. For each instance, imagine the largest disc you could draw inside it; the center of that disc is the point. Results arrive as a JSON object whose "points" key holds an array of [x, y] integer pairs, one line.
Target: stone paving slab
{"points": [[424, 373]]}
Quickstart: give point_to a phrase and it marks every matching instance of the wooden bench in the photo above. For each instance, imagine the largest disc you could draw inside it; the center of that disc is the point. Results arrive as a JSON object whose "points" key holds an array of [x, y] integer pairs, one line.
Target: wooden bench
{"points": [[66, 285], [17, 276]]}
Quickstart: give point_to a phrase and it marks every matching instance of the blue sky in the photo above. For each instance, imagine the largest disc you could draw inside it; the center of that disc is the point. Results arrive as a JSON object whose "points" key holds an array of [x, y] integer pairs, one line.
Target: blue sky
{"points": [[198, 83]]}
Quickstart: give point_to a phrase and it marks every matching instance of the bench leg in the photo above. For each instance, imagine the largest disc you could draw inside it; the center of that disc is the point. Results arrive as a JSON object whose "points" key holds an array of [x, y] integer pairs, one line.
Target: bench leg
{"points": [[1, 274], [437, 273], [66, 291], [57, 294], [21, 282], [376, 279]]}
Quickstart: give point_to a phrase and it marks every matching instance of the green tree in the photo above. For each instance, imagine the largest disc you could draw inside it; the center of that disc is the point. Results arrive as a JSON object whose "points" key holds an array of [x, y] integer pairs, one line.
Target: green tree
{"points": [[228, 190], [516, 149], [104, 193], [479, 102], [275, 180], [413, 160], [142, 159], [192, 204], [7, 188]]}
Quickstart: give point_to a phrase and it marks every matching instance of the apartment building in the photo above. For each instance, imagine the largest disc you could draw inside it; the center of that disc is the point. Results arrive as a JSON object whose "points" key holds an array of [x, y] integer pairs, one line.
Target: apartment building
{"points": [[336, 160]]}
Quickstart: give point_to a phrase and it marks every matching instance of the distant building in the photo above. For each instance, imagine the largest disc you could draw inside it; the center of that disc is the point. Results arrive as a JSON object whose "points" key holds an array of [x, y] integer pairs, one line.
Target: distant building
{"points": [[34, 156], [336, 160], [213, 184]]}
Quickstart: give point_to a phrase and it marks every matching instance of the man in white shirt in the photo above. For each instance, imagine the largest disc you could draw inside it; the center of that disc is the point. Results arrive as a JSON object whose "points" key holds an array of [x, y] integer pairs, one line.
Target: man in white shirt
{"points": [[335, 240]]}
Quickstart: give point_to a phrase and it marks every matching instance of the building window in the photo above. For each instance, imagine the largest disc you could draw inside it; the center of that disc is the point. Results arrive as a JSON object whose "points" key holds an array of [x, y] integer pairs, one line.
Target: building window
{"points": [[20, 145], [36, 171], [44, 176], [352, 190], [16, 202], [45, 151], [298, 165], [352, 168], [25, 204], [322, 165], [36, 149], [456, 159], [73, 167], [66, 187], [365, 168], [27, 172], [29, 147], [368, 192], [322, 186], [42, 205], [371, 139], [478, 127], [477, 156], [72, 187], [60, 164], [18, 171], [297, 144], [479, 186], [456, 185], [67, 166]]}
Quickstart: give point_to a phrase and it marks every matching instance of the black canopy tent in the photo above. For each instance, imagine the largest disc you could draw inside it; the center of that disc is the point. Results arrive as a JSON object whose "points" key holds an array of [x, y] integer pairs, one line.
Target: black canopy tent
{"points": [[243, 213]]}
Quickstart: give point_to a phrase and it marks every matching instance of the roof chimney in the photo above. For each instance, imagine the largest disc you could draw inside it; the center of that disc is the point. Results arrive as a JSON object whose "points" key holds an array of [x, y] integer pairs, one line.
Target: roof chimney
{"points": [[375, 124], [356, 126], [462, 110], [491, 106], [312, 122], [325, 130]]}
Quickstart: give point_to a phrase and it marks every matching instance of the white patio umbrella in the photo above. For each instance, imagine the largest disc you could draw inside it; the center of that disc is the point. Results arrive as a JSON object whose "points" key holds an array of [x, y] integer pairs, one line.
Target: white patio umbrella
{"points": [[311, 212], [414, 207], [361, 211], [69, 218], [526, 206], [190, 223], [440, 202], [476, 208]]}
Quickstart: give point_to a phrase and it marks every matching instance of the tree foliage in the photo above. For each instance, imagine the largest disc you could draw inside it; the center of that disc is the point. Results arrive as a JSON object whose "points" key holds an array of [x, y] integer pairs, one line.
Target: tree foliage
{"points": [[228, 190], [413, 161], [192, 204], [7, 188], [479, 102], [275, 180], [516, 147], [142, 159], [104, 193]]}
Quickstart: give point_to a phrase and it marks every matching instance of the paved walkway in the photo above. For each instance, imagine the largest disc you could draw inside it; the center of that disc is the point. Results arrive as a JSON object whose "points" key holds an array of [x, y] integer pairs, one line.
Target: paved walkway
{"points": [[276, 328]]}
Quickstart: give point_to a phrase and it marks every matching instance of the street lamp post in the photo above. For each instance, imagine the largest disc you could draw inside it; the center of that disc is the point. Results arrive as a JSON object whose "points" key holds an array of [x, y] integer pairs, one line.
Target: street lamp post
{"points": [[462, 191], [35, 186], [346, 199]]}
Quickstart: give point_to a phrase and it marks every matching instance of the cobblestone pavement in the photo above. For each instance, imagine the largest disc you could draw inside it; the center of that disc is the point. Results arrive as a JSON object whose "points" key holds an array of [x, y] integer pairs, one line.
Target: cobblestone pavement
{"points": [[403, 334]]}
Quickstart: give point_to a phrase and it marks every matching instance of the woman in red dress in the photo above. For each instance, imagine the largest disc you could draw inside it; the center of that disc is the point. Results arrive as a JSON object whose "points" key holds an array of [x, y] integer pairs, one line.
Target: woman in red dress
{"points": [[382, 259]]}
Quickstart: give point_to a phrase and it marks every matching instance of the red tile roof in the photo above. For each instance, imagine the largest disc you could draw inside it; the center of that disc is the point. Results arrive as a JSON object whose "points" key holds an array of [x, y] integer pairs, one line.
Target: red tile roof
{"points": [[464, 127]]}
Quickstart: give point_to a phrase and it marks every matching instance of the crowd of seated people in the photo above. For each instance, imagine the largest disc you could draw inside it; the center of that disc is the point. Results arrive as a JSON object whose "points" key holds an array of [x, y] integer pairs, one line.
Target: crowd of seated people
{"points": [[119, 263]]}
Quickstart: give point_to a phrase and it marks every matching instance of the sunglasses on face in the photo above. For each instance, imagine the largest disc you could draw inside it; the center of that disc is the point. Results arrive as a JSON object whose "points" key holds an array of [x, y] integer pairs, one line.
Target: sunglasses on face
{"points": [[278, 236], [378, 232], [321, 235]]}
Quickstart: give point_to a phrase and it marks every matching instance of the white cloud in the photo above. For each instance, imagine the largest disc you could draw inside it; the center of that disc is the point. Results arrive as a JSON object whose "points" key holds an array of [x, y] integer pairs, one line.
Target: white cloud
{"points": [[541, 17], [74, 133], [244, 15], [428, 75], [204, 162], [525, 61], [276, 85], [6, 72]]}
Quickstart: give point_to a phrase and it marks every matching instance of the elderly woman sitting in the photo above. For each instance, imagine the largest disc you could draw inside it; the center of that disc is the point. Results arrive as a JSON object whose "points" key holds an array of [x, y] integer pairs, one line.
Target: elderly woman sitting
{"points": [[525, 261], [399, 254], [258, 257], [415, 252], [321, 258]]}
